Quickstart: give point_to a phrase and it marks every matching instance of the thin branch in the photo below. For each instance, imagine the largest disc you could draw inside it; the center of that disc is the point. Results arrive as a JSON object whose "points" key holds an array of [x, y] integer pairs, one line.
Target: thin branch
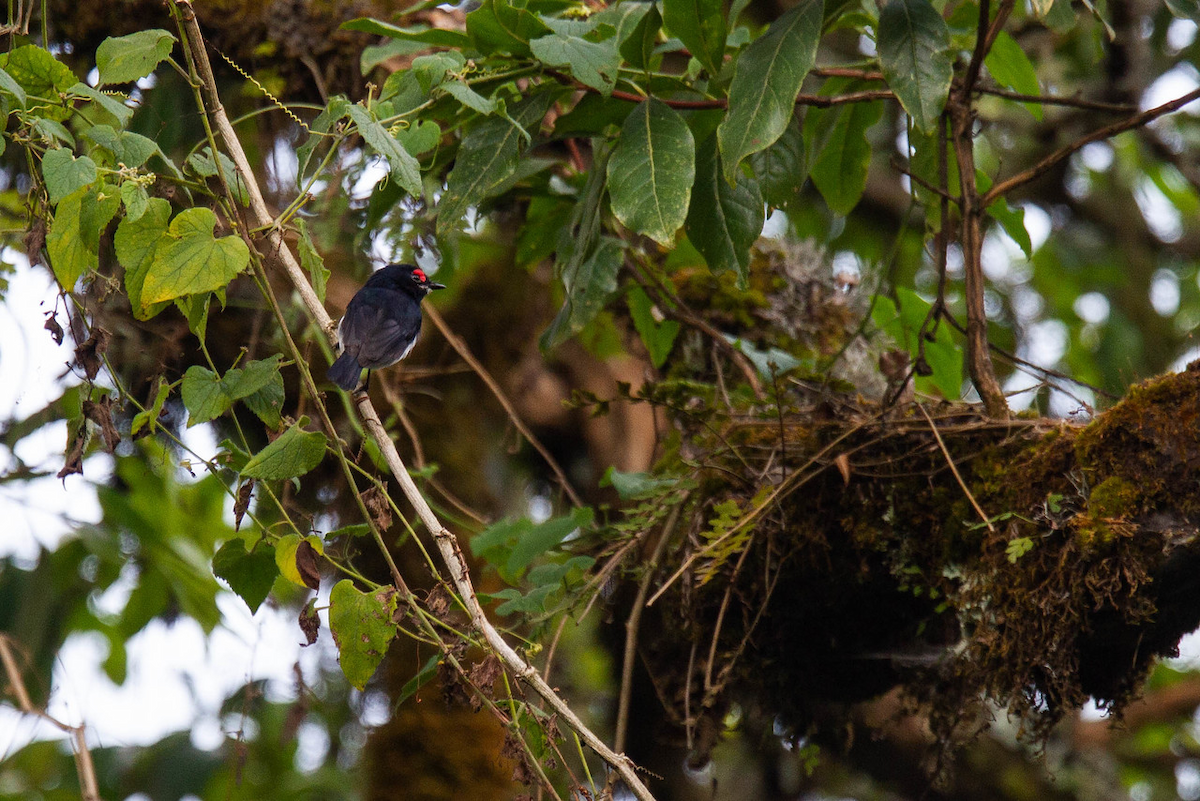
{"points": [[954, 469], [1055, 100], [446, 542], [1045, 165], [677, 311], [819, 101], [921, 182], [464, 352], [633, 624], [89, 788], [981, 48]]}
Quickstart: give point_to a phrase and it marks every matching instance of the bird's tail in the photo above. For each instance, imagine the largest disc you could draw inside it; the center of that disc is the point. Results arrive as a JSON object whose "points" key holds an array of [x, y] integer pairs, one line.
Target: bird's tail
{"points": [[345, 372]]}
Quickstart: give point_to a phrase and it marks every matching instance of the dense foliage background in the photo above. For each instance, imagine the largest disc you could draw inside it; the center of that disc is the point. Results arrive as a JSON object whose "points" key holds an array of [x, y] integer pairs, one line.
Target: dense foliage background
{"points": [[719, 278]]}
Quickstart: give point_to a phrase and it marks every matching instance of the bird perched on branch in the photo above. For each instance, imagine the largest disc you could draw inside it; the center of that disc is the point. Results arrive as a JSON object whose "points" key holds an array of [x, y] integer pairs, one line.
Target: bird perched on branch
{"points": [[381, 322]]}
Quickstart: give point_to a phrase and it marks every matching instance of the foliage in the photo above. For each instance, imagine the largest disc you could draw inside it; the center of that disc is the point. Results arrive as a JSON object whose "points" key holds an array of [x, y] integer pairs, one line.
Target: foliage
{"points": [[640, 148]]}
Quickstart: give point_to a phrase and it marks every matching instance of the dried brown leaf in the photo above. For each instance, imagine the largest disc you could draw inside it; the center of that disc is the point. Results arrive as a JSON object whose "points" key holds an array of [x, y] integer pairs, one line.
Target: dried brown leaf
{"points": [[242, 504], [90, 355], [310, 623], [306, 565], [100, 413]]}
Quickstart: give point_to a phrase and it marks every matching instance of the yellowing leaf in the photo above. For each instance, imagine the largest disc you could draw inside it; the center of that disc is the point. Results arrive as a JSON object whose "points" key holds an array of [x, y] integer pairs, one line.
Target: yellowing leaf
{"points": [[190, 260], [362, 628]]}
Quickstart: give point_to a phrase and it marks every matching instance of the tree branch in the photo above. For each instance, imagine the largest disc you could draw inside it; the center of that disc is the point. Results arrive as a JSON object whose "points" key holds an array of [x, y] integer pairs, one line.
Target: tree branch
{"points": [[446, 542], [89, 789], [457, 343], [1045, 165]]}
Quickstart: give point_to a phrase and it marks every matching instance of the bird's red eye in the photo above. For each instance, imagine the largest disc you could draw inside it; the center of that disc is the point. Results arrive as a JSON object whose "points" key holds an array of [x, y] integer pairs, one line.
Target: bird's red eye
{"points": [[419, 274]]}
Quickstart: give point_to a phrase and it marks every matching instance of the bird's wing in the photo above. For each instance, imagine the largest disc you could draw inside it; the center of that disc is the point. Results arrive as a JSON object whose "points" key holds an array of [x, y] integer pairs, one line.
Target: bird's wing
{"points": [[382, 327]]}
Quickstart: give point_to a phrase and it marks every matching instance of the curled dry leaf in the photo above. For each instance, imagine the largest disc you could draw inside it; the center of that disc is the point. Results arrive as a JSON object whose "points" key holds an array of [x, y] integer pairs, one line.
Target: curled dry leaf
{"points": [[306, 565], [56, 330], [90, 354], [438, 601], [100, 413], [310, 623], [843, 465], [242, 504], [74, 459], [376, 501]]}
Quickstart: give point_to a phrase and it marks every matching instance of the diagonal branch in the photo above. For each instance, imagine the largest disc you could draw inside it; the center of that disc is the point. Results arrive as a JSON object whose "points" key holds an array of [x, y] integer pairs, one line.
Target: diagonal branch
{"points": [[457, 343], [447, 544], [1045, 165], [89, 789]]}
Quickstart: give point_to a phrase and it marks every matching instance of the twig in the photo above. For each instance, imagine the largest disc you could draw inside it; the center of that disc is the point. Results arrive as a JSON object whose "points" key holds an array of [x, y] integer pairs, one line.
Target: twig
{"points": [[954, 469], [446, 542], [819, 101], [1044, 166], [679, 312], [89, 788], [633, 625], [1055, 100], [464, 352]]}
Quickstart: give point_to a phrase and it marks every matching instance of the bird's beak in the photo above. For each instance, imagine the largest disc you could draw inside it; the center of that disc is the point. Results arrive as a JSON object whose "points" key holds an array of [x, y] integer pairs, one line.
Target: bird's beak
{"points": [[435, 285]]}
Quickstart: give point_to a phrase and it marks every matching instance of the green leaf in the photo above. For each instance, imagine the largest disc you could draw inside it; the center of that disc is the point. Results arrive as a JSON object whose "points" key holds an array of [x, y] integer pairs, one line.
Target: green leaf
{"points": [[838, 153], [589, 283], [9, 84], [633, 486], [122, 59], [190, 260], [489, 154], [1009, 65], [249, 575], [294, 453], [241, 382], [100, 204], [651, 171], [203, 395], [638, 47], [150, 416], [205, 166], [40, 75], [311, 261], [463, 93], [1013, 222], [1185, 9], [723, 221], [135, 199], [903, 323], [767, 78], [594, 64], [438, 37], [498, 27], [136, 240], [511, 546], [780, 168], [405, 168], [362, 628], [65, 174], [420, 138], [432, 69], [700, 25], [267, 402], [914, 51], [924, 164], [70, 257], [130, 149], [121, 112], [657, 335]]}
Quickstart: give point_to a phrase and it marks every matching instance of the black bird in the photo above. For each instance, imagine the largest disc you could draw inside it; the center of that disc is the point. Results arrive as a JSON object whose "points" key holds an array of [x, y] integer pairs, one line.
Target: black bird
{"points": [[381, 322]]}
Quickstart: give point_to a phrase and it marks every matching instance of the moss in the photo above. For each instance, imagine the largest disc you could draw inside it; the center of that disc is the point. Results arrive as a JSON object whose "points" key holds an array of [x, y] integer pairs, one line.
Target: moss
{"points": [[1113, 497]]}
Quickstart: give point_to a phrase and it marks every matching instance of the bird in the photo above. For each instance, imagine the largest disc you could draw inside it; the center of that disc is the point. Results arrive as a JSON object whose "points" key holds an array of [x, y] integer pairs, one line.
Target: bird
{"points": [[381, 322]]}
